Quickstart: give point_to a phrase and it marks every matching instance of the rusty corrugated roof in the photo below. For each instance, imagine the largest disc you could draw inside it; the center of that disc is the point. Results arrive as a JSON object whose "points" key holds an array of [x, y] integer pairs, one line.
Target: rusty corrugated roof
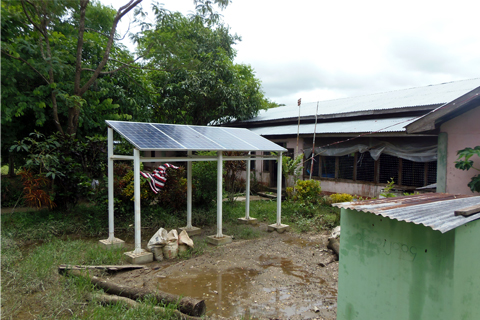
{"points": [[434, 210]]}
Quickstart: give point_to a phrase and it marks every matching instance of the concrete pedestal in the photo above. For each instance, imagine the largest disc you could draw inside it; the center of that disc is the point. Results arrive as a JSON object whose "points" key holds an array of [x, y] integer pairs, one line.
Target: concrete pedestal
{"points": [[193, 231], [252, 221], [114, 244], [279, 228], [139, 258], [219, 241]]}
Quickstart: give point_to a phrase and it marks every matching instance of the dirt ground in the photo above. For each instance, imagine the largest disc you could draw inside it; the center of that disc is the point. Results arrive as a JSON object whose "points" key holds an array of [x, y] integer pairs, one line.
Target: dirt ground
{"points": [[279, 276]]}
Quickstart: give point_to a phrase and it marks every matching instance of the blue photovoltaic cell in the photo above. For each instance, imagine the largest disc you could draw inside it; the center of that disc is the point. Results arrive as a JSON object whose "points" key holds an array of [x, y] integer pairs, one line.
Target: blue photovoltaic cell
{"points": [[224, 138], [144, 136], [188, 137], [258, 141], [158, 136]]}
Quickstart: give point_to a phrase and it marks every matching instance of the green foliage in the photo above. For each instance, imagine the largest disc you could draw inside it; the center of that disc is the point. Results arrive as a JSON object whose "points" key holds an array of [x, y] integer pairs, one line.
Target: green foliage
{"points": [[340, 197], [68, 163], [11, 192], [174, 194], [204, 175], [307, 191], [233, 184], [199, 81], [292, 167], [386, 191], [464, 163]]}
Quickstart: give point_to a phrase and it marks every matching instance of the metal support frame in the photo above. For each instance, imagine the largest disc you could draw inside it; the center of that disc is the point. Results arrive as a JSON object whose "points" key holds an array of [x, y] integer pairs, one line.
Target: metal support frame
{"points": [[279, 190], [247, 191], [136, 193], [111, 236], [189, 192], [219, 193]]}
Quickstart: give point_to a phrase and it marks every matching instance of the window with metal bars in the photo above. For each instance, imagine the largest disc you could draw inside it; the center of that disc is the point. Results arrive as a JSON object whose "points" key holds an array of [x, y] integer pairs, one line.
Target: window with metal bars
{"points": [[316, 166], [328, 167], [388, 168], [346, 165], [365, 167]]}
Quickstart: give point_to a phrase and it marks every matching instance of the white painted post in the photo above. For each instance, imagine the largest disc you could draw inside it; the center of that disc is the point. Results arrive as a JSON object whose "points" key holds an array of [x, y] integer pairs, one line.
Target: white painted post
{"points": [[279, 189], [247, 191], [111, 237], [219, 193], [136, 194], [189, 192]]}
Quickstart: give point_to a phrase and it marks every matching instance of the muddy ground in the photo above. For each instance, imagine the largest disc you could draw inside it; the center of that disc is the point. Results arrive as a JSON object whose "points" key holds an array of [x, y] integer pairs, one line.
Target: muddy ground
{"points": [[278, 276]]}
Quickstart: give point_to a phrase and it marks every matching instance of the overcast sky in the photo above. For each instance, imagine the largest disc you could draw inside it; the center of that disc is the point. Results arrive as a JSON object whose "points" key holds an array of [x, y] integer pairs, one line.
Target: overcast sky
{"points": [[320, 50]]}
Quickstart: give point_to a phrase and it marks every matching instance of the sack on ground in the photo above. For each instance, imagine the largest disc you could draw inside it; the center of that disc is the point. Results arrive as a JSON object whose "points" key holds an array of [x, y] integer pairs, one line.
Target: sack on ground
{"points": [[159, 239]]}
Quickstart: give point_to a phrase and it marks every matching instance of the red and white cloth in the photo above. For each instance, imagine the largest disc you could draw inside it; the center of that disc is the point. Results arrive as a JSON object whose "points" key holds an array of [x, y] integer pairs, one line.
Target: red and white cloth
{"points": [[158, 178]]}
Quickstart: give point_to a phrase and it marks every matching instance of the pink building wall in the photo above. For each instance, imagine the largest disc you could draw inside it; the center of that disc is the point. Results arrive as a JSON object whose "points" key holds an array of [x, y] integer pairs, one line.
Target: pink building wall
{"points": [[462, 131]]}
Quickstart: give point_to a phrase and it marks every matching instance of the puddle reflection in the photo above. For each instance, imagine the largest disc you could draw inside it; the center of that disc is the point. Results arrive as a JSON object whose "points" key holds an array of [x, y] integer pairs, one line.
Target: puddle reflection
{"points": [[220, 290]]}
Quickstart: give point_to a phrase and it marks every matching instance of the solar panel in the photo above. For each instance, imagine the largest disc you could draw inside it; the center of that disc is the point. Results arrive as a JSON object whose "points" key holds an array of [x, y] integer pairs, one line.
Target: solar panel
{"points": [[188, 137], [143, 135], [227, 140], [158, 136]]}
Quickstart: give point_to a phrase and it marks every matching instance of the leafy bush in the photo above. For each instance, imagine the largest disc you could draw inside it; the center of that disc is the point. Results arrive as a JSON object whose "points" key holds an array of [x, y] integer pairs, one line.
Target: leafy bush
{"points": [[12, 192], [68, 163], [307, 191], [204, 175], [174, 194], [467, 164], [340, 197]]}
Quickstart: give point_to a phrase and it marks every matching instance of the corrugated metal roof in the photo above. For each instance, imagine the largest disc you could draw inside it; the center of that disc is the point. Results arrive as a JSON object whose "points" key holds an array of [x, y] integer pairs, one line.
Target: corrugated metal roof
{"points": [[357, 126], [434, 210], [419, 96]]}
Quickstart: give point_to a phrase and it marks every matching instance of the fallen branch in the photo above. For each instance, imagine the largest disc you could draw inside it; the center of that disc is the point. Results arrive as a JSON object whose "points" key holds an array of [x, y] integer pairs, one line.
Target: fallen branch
{"points": [[187, 305], [109, 299], [63, 267], [334, 244]]}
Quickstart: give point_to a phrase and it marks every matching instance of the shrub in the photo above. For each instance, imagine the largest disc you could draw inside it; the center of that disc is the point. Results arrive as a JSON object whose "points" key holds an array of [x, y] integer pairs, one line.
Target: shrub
{"points": [[307, 191], [340, 197], [204, 175], [174, 194]]}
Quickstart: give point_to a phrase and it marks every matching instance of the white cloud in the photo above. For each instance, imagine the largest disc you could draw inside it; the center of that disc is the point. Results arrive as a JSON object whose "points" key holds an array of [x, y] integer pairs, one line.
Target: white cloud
{"points": [[317, 50]]}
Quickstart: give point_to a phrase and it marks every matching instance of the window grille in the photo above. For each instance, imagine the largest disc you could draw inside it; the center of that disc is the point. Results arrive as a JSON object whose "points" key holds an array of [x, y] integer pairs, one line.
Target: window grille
{"points": [[432, 172], [328, 167], [388, 168], [365, 167], [316, 165], [413, 173], [346, 165]]}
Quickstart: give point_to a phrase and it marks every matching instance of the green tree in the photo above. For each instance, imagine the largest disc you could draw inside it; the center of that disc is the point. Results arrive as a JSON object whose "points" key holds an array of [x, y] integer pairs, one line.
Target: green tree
{"points": [[198, 82], [464, 163]]}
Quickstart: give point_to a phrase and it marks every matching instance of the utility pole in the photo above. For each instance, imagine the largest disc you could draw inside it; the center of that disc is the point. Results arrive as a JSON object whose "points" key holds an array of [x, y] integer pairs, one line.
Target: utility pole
{"points": [[313, 147], [298, 128]]}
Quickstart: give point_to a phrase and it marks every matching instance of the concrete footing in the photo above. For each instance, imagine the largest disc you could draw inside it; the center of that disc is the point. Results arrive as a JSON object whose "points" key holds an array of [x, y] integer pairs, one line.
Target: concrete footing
{"points": [[139, 258], [248, 221], [219, 241], [193, 231], [279, 228], [112, 244]]}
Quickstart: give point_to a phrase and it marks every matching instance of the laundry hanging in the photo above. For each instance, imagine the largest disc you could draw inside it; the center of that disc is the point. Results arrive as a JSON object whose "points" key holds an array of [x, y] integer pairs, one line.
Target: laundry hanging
{"points": [[158, 178]]}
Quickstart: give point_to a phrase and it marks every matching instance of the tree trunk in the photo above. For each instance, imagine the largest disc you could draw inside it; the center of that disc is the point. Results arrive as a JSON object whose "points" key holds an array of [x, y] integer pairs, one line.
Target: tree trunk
{"points": [[187, 305], [108, 299], [11, 165]]}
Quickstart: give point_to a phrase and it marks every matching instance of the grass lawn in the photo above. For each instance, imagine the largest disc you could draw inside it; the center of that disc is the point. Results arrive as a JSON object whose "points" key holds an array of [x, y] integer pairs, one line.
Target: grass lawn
{"points": [[33, 244]]}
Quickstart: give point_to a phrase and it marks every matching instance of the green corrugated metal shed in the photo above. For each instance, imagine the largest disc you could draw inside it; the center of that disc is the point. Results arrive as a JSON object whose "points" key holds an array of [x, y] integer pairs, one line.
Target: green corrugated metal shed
{"points": [[409, 258]]}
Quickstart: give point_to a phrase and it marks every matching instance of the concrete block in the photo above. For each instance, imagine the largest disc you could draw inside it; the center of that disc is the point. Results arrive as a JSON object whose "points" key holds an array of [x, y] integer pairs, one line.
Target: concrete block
{"points": [[219, 241], [139, 258], [193, 231], [115, 243], [253, 221], [279, 228]]}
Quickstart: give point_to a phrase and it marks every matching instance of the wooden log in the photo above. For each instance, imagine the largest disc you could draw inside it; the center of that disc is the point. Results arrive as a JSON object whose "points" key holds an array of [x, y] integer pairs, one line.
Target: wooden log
{"points": [[110, 299], [334, 244], [187, 305], [63, 267]]}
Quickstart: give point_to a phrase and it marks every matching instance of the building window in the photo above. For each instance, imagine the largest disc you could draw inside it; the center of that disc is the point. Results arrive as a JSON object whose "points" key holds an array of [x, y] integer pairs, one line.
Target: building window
{"points": [[328, 167], [365, 167], [388, 168], [413, 173], [316, 165], [346, 165], [252, 162]]}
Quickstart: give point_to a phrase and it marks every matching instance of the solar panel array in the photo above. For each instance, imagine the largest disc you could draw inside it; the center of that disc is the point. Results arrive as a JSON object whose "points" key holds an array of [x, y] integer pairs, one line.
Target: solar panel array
{"points": [[159, 136]]}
